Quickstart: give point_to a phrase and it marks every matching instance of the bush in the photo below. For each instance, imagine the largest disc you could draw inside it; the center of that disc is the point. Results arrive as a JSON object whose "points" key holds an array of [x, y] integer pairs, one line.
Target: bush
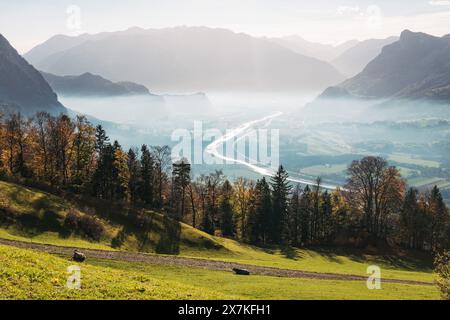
{"points": [[71, 222], [85, 225], [442, 269], [91, 227]]}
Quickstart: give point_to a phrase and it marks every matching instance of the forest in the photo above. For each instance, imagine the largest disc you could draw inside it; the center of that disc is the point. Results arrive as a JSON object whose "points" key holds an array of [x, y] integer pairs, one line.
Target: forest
{"points": [[375, 207]]}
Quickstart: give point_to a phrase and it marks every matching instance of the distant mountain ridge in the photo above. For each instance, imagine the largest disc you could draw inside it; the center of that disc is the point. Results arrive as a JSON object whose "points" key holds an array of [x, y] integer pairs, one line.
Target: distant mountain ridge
{"points": [[88, 84], [185, 59], [409, 78], [415, 67], [22, 87], [325, 52], [354, 60]]}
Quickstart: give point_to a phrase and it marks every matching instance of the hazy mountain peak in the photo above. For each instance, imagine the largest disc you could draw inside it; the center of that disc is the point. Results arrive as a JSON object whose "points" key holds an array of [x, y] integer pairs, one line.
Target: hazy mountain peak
{"points": [[187, 59], [415, 67]]}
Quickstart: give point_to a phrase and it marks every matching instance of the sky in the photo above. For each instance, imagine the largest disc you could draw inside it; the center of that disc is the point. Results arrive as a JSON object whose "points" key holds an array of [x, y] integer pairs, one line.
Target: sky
{"points": [[26, 23]]}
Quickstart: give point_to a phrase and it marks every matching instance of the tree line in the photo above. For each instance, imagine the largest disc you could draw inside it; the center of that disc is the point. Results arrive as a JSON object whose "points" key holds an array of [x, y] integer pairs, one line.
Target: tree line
{"points": [[373, 206]]}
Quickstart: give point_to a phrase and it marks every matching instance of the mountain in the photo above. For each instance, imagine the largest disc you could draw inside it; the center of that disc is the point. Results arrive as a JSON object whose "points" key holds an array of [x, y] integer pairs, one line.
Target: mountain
{"points": [[22, 87], [409, 78], [325, 52], [417, 66], [185, 59], [89, 84], [353, 60]]}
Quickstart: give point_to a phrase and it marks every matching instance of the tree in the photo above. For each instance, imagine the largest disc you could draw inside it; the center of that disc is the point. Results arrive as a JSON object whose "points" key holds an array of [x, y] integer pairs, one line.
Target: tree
{"points": [[226, 209], [442, 269], [84, 151], [263, 201], [375, 191], [121, 174], [439, 219], [181, 178], [413, 222], [147, 174], [134, 169], [306, 205], [280, 194], [295, 217], [161, 156]]}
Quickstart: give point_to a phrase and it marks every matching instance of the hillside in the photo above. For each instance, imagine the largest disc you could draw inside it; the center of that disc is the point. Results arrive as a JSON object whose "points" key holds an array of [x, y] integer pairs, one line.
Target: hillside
{"points": [[25, 216], [353, 60], [88, 85], [416, 66], [186, 59], [22, 87], [33, 275]]}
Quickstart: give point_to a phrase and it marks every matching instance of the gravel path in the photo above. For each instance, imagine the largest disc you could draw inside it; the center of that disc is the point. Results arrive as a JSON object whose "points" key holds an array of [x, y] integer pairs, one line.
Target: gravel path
{"points": [[193, 262]]}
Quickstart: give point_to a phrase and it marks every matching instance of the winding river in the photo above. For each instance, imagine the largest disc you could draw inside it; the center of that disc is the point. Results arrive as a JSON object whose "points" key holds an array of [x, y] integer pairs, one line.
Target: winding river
{"points": [[239, 132]]}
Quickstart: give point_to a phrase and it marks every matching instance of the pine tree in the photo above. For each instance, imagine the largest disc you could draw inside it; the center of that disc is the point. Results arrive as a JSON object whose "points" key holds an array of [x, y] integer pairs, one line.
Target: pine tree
{"points": [[226, 210], [306, 205], [181, 178], [134, 168], [295, 217], [280, 195], [439, 219], [146, 188]]}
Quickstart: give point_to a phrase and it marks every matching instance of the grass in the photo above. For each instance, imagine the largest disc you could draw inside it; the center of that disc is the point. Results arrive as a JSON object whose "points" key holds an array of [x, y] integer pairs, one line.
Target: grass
{"points": [[26, 274], [321, 170], [167, 236], [408, 159], [424, 181]]}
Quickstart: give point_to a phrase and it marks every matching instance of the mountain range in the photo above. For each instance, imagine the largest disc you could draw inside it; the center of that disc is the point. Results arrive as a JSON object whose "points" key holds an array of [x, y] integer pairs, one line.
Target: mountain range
{"points": [[417, 66], [325, 52], [353, 60], [349, 58], [185, 59], [410, 77], [22, 88]]}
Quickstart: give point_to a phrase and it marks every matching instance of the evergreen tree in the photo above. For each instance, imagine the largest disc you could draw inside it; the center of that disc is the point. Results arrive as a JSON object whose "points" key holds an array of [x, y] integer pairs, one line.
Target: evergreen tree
{"points": [[295, 217], [146, 188], [181, 179], [226, 209], [134, 168], [280, 194]]}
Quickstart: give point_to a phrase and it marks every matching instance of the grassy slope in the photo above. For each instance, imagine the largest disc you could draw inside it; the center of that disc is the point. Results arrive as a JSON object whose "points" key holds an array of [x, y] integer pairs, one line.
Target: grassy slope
{"points": [[25, 274], [194, 243]]}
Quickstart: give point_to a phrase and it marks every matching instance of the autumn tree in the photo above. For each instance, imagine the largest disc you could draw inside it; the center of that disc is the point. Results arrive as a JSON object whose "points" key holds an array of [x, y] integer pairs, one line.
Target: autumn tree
{"points": [[375, 191]]}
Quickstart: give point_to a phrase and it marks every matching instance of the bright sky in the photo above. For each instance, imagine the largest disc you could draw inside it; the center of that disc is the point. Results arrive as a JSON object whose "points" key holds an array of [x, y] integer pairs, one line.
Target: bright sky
{"points": [[26, 23]]}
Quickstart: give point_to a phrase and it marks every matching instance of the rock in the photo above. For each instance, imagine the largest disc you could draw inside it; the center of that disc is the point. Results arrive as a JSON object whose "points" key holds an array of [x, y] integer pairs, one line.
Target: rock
{"points": [[78, 256], [241, 271]]}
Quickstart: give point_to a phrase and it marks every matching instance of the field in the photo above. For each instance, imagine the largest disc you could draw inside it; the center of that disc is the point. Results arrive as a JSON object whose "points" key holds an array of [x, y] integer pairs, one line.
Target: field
{"points": [[403, 158], [30, 275], [189, 242]]}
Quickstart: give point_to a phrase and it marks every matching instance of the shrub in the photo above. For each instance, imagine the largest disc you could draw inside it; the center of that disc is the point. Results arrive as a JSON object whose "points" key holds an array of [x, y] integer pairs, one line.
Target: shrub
{"points": [[72, 221], [442, 269], [91, 227]]}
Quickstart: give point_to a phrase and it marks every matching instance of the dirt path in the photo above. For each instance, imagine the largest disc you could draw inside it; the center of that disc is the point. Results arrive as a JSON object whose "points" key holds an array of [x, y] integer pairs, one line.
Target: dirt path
{"points": [[193, 262]]}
